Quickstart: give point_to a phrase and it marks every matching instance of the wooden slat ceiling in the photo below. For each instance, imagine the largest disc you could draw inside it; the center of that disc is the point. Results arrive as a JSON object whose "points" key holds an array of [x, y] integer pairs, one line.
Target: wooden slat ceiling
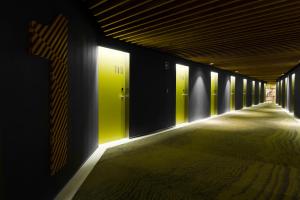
{"points": [[258, 38]]}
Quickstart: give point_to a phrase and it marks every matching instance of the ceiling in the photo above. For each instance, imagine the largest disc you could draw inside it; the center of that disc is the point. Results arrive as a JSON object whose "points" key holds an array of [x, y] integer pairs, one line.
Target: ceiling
{"points": [[258, 38]]}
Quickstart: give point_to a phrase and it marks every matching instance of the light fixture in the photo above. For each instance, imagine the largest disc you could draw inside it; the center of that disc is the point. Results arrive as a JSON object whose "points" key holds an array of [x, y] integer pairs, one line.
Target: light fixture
{"points": [[211, 63], [236, 71]]}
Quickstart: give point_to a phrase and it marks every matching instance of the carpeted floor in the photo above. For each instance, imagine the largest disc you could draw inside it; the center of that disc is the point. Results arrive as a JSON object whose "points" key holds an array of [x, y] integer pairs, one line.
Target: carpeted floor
{"points": [[251, 154]]}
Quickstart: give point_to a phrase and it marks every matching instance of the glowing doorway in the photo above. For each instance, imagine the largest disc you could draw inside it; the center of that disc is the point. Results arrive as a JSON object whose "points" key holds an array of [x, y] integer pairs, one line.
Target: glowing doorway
{"points": [[182, 97], [113, 85]]}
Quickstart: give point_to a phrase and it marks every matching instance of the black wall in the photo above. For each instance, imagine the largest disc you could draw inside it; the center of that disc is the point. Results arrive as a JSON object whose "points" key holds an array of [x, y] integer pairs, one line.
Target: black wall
{"points": [[25, 83], [152, 92], [249, 93], [292, 105], [297, 93], [283, 93], [277, 92], [280, 93], [199, 99], [25, 105], [256, 93], [223, 93], [291, 98], [239, 93]]}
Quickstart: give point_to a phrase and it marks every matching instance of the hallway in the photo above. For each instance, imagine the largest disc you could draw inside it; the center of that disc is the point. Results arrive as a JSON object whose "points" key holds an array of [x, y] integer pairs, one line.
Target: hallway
{"points": [[248, 154]]}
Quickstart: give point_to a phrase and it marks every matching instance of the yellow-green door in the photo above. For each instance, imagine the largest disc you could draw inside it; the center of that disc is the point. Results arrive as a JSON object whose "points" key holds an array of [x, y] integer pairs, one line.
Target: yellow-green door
{"points": [[265, 96], [214, 93], [113, 94], [182, 88], [253, 92], [232, 93], [244, 92]]}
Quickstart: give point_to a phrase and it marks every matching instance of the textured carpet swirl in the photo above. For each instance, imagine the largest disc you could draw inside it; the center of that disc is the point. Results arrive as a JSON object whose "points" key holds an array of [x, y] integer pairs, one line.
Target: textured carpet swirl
{"points": [[250, 154]]}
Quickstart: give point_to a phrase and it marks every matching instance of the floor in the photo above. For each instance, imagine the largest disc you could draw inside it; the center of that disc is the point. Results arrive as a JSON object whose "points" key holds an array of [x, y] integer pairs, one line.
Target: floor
{"points": [[250, 154]]}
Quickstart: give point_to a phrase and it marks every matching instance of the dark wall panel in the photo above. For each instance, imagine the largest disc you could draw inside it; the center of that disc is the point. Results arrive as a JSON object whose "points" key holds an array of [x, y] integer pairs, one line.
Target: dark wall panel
{"points": [[263, 92], [152, 92], [297, 93], [239, 93], [249, 93], [256, 93], [2, 181], [280, 93], [283, 94], [287, 94], [291, 98], [277, 92], [199, 99]]}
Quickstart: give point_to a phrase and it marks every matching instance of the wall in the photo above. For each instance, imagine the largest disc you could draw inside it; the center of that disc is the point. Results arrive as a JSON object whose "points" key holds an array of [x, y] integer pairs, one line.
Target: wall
{"points": [[256, 93], [279, 93], [291, 98], [199, 99], [249, 93], [239, 92], [152, 92], [283, 96], [25, 83], [287, 93], [282, 99], [223, 93], [297, 93]]}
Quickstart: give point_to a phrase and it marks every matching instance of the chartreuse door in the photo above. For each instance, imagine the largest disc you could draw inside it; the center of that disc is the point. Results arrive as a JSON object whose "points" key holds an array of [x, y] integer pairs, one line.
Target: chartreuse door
{"points": [[113, 84], [265, 96], [182, 98], [232, 93], [244, 92], [253, 92], [213, 93]]}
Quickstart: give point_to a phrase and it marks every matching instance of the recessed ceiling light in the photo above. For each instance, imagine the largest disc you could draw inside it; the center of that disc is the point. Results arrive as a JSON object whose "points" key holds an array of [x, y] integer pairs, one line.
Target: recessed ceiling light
{"points": [[236, 71], [211, 63]]}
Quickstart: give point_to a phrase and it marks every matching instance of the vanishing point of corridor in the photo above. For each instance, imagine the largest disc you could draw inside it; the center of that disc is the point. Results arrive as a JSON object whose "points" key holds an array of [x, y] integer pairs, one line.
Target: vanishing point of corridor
{"points": [[249, 154]]}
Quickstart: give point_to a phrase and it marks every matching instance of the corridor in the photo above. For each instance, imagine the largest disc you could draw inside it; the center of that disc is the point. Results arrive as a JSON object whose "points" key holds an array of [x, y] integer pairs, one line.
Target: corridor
{"points": [[253, 153]]}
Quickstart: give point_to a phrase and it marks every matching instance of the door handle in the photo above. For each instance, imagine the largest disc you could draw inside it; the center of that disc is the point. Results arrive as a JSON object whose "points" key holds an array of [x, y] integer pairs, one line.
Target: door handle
{"points": [[124, 96]]}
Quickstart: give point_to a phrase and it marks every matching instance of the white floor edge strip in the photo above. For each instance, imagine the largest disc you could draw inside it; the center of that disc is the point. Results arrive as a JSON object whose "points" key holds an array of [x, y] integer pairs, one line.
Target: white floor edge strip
{"points": [[70, 189]]}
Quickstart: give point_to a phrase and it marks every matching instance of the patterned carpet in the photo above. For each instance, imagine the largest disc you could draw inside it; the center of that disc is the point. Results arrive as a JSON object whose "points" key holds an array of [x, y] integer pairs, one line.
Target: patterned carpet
{"points": [[248, 155]]}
